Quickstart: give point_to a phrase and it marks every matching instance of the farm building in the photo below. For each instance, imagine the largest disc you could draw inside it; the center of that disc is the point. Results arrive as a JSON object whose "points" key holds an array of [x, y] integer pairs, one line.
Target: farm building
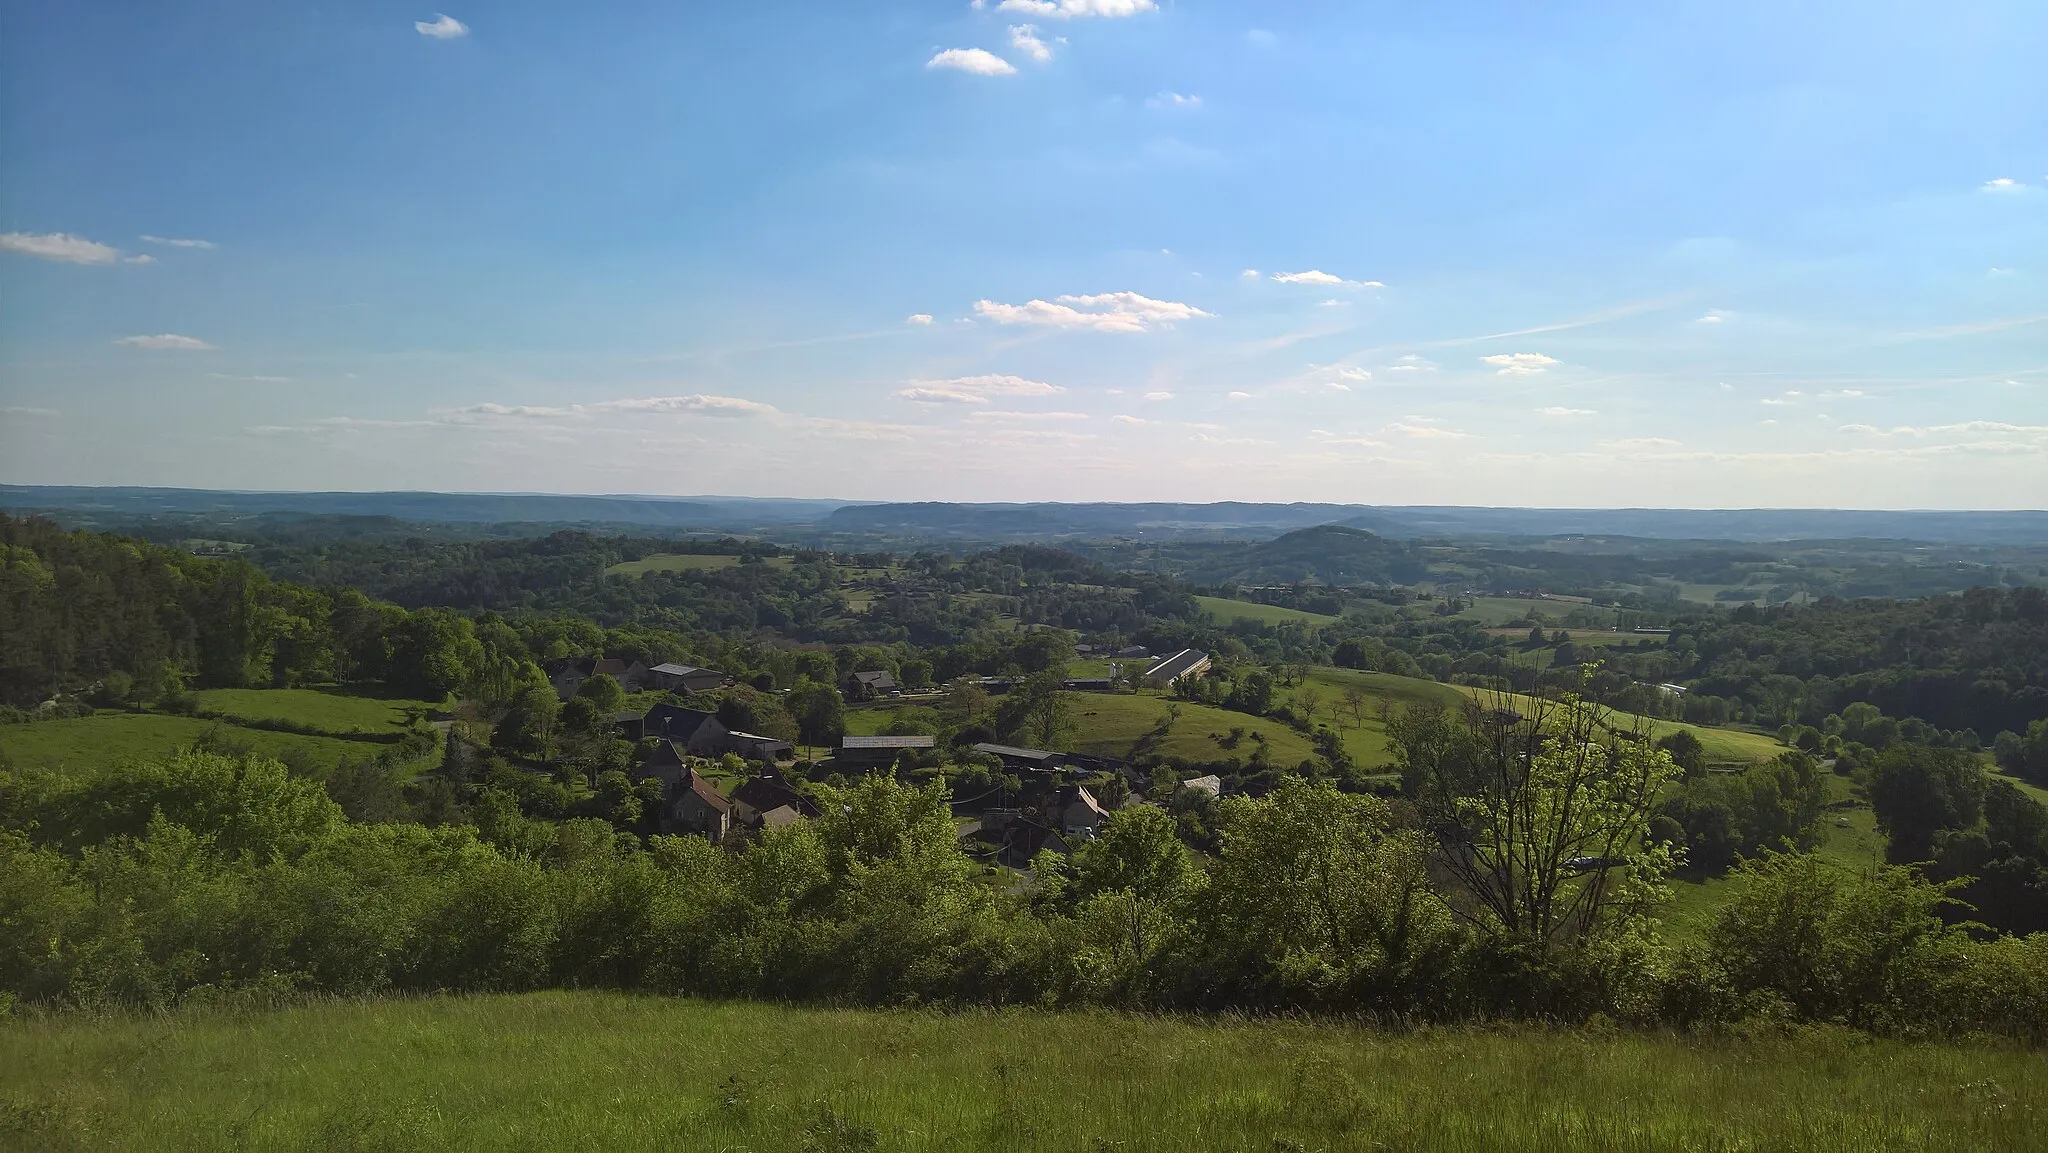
{"points": [[874, 752], [698, 733], [867, 685], [1168, 669], [568, 675], [1033, 760], [690, 804], [755, 747], [768, 801], [676, 678]]}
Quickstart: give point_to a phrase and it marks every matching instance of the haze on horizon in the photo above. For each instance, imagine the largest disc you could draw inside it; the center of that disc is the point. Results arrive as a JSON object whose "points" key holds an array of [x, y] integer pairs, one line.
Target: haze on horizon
{"points": [[1731, 256]]}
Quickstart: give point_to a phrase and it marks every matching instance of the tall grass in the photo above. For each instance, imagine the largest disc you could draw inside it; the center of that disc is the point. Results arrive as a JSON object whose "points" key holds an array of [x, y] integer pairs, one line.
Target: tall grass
{"points": [[601, 1071]]}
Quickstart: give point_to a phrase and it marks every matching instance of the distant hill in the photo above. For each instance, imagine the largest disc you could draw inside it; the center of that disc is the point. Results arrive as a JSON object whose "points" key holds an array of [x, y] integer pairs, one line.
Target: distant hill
{"points": [[1330, 554], [427, 507], [839, 524]]}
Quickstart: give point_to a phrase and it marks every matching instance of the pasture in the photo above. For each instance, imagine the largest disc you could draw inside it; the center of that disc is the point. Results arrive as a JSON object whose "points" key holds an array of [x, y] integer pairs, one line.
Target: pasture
{"points": [[330, 712], [112, 736], [1229, 612], [684, 562], [592, 1070]]}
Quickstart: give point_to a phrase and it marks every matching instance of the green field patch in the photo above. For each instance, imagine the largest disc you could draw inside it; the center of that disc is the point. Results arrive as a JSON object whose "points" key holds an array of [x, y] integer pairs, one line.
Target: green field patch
{"points": [[684, 562], [1107, 724], [594, 1070], [1229, 612], [108, 737], [329, 712]]}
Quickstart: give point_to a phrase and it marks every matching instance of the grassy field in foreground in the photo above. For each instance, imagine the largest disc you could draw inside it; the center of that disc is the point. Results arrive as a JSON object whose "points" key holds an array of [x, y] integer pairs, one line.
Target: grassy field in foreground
{"points": [[1228, 612], [330, 712], [682, 562], [592, 1071], [109, 736]]}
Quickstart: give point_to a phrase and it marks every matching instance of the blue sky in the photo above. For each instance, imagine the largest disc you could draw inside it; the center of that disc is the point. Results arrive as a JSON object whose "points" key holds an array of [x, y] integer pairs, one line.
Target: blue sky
{"points": [[1738, 254]]}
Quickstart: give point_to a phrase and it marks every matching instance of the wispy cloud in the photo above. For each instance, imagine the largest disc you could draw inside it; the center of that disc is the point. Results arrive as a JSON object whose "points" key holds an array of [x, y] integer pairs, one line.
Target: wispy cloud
{"points": [[176, 242], [167, 340], [1425, 431], [920, 318], [977, 61], [1714, 316], [1159, 394], [1076, 9], [1125, 418], [26, 413], [1560, 410], [1024, 38], [1102, 312], [58, 246], [2001, 184], [251, 378], [441, 28], [1639, 443], [1176, 100], [697, 404], [1318, 277], [1519, 363], [140, 258], [1003, 415], [975, 389]]}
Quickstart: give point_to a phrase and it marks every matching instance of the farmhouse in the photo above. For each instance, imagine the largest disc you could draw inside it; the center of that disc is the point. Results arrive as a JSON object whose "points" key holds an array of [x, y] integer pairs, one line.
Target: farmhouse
{"points": [[768, 801], [676, 678], [698, 733], [1168, 669], [866, 686], [874, 752], [1076, 811], [568, 675], [1032, 760], [1211, 784], [690, 804]]}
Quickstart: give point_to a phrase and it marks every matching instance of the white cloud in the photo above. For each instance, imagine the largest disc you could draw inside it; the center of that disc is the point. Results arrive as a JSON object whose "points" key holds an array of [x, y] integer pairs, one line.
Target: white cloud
{"points": [[975, 389], [1639, 443], [1102, 312], [1159, 394], [1238, 396], [1560, 410], [1122, 418], [2002, 184], [999, 414], [1175, 100], [1412, 363], [28, 413], [257, 379], [1845, 394], [442, 28], [1317, 276], [1714, 316], [175, 242], [1775, 400], [1024, 38], [1519, 363], [142, 258], [1071, 9], [1350, 373], [1333, 302], [1771, 421], [166, 340], [699, 403], [979, 61], [923, 318], [60, 246], [1425, 431], [1249, 274]]}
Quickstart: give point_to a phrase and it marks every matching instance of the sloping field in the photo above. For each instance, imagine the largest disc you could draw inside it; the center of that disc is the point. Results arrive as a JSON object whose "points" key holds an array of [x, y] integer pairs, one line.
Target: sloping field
{"points": [[597, 1071], [682, 562], [1228, 612], [112, 736], [1108, 723], [330, 712]]}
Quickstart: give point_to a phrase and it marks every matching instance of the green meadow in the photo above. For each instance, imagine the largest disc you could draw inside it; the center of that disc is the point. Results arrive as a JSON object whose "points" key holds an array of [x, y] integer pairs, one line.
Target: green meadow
{"points": [[113, 736], [1229, 612], [683, 562], [598, 1071]]}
